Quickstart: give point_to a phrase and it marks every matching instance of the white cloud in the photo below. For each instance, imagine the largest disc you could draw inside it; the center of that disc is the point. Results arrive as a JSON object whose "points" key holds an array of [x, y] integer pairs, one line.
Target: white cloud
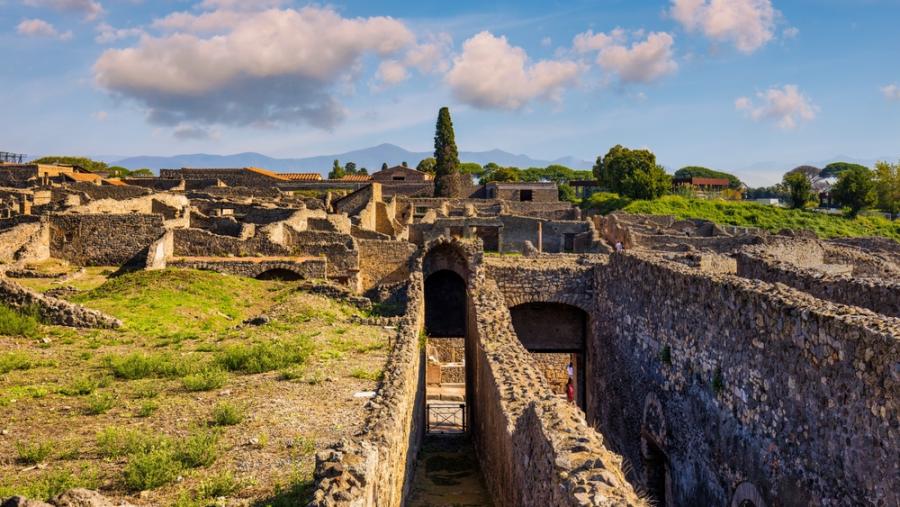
{"points": [[391, 72], [269, 67], [245, 5], [41, 28], [643, 62], [193, 133], [106, 34], [748, 24], [432, 55], [492, 74], [786, 106], [91, 9], [891, 92], [589, 41], [205, 23]]}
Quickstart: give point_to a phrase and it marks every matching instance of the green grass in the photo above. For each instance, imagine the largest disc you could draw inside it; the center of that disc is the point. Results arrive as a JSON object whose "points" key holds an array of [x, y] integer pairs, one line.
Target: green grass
{"points": [[19, 323], [16, 361], [33, 453], [53, 482], [115, 441], [147, 409], [220, 484], [151, 469], [363, 374], [199, 449], [182, 303], [771, 218], [138, 365], [84, 385], [206, 379], [226, 414], [99, 403], [265, 355]]}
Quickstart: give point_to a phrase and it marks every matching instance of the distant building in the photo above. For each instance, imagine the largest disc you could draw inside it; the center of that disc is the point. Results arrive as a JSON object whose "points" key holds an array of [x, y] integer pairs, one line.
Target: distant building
{"points": [[356, 178], [233, 177], [702, 184], [36, 175], [301, 176], [400, 173], [769, 201], [537, 191]]}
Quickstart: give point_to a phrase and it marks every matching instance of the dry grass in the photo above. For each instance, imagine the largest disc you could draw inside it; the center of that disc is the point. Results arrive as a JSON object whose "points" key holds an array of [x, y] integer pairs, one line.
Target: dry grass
{"points": [[132, 409]]}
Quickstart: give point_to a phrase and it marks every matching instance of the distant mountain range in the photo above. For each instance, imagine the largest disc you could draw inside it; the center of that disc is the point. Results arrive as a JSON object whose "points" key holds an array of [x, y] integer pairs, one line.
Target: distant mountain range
{"points": [[370, 158]]}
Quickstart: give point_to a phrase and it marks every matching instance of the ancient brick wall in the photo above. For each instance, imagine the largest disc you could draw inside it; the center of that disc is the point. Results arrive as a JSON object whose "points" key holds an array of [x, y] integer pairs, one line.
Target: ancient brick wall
{"points": [[341, 250], [545, 210], [308, 269], [201, 243], [542, 280], [881, 295], [53, 310], [384, 262], [28, 241], [737, 380], [109, 191], [102, 240]]}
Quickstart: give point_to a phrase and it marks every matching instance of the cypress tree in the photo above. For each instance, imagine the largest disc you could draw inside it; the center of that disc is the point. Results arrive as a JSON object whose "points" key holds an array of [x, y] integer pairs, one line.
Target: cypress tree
{"points": [[445, 152]]}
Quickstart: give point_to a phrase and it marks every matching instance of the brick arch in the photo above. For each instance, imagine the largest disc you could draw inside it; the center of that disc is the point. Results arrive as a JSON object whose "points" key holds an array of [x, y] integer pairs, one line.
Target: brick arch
{"points": [[653, 422], [464, 257], [747, 494], [578, 301], [257, 269]]}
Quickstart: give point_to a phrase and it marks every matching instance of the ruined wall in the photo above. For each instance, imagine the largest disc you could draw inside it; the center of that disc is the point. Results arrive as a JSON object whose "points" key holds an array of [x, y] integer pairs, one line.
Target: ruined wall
{"points": [[28, 241], [201, 243], [307, 269], [879, 295], [384, 262], [543, 280], [373, 469], [53, 310], [545, 210], [738, 380], [534, 448], [108, 191], [340, 250], [102, 240]]}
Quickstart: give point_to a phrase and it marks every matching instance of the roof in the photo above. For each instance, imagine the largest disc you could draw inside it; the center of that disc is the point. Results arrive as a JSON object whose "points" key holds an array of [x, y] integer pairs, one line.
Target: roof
{"points": [[83, 177], [265, 172], [713, 182], [116, 182], [516, 185], [356, 177], [301, 176]]}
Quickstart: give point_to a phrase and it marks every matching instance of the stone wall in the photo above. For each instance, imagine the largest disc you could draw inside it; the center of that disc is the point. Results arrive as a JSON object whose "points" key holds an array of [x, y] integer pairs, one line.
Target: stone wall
{"points": [[543, 280], [28, 241], [736, 380], [373, 468], [102, 240], [545, 210], [53, 310], [115, 192], [881, 295], [384, 262], [308, 269]]}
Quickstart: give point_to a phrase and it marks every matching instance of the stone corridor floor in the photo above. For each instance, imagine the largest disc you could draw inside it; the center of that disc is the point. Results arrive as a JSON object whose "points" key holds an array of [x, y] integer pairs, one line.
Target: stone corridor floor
{"points": [[447, 474]]}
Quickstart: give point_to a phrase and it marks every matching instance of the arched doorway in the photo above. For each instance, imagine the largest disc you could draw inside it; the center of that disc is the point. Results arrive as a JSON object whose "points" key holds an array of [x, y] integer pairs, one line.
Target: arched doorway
{"points": [[656, 472], [280, 274], [445, 304], [556, 336]]}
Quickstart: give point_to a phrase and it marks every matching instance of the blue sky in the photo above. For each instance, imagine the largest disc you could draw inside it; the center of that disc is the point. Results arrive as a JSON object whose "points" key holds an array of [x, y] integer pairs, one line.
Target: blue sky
{"points": [[752, 86]]}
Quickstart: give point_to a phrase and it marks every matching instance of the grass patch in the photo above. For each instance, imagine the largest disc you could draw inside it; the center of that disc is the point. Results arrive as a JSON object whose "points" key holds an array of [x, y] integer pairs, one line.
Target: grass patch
{"points": [[291, 373], [53, 482], [206, 379], [265, 355], [364, 374], [227, 414], [151, 469], [199, 449], [147, 409], [85, 385], [34, 452], [15, 361], [138, 365], [19, 323], [115, 441], [99, 403], [771, 218]]}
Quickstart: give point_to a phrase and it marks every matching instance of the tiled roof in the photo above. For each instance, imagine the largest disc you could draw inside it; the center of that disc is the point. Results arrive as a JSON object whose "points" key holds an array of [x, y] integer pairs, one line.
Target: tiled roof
{"points": [[301, 176], [116, 182], [356, 177], [265, 172], [83, 177]]}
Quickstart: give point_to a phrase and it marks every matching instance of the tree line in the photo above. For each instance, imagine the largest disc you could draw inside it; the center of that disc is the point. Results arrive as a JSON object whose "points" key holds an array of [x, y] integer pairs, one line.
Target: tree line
{"points": [[93, 166]]}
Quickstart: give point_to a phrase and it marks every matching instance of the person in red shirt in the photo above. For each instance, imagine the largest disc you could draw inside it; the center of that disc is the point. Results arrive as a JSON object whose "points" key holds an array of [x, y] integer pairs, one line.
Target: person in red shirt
{"points": [[570, 391]]}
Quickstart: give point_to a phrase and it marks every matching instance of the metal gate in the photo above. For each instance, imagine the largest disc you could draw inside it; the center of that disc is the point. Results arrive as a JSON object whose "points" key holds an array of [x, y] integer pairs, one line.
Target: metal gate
{"points": [[446, 417]]}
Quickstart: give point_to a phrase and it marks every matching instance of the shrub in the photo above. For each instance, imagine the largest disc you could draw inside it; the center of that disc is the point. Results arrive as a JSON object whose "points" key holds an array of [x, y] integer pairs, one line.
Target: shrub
{"points": [[151, 469], [605, 202], [15, 361], [206, 379], [147, 408], [100, 403], [115, 441], [33, 453], [292, 373], [139, 365], [227, 414], [81, 386], [362, 374], [18, 323], [265, 356], [220, 484], [200, 449]]}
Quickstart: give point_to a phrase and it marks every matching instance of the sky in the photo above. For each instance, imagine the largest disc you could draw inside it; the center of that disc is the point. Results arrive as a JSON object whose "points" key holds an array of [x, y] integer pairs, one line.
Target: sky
{"points": [[750, 86]]}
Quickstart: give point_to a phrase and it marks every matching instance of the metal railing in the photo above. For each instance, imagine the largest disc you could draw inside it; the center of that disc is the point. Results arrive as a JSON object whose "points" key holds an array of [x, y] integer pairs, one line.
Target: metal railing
{"points": [[446, 418]]}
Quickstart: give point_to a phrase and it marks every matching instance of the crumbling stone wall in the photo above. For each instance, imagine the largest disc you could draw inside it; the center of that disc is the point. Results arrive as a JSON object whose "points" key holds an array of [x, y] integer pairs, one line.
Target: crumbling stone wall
{"points": [[201, 243], [114, 192], [543, 280], [308, 269], [28, 241], [877, 294], [53, 310], [741, 381], [102, 240], [384, 262]]}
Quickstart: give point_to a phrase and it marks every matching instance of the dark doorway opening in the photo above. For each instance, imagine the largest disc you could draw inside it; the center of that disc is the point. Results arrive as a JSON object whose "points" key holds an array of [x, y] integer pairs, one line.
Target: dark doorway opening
{"points": [[445, 304], [490, 237], [568, 242], [656, 470], [279, 274], [526, 195]]}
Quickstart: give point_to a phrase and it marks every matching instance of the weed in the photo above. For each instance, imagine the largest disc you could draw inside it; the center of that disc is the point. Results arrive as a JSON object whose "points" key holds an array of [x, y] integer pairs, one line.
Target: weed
{"points": [[199, 449], [82, 386], [147, 409], [152, 469], [265, 356], [206, 379], [55, 482], [219, 484], [34, 452], [227, 414], [139, 365], [18, 322], [362, 374], [292, 373], [99, 403], [15, 361], [147, 391]]}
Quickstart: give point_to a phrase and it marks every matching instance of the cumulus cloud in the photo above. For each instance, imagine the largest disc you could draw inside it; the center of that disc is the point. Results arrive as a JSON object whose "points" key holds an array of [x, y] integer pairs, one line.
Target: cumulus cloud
{"points": [[492, 74], [246, 5], [90, 9], [891, 92], [267, 67], [431, 55], [391, 72], [205, 23], [41, 28], [643, 61], [107, 34], [748, 24], [785, 105]]}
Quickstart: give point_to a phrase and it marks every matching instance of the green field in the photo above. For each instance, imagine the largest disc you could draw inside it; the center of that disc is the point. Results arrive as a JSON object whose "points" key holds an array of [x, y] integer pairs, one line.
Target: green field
{"points": [[749, 214]]}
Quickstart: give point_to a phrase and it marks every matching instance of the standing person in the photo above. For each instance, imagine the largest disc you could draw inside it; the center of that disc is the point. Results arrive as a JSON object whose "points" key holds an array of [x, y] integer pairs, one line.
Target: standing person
{"points": [[570, 391], [620, 247], [570, 370]]}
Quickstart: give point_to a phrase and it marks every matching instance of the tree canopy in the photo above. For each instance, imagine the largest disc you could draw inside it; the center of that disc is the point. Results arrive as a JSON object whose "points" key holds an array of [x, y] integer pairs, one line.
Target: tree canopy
{"points": [[445, 153], [887, 187], [83, 162], [855, 189], [337, 172], [632, 173], [426, 165], [798, 187], [705, 172], [835, 168]]}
